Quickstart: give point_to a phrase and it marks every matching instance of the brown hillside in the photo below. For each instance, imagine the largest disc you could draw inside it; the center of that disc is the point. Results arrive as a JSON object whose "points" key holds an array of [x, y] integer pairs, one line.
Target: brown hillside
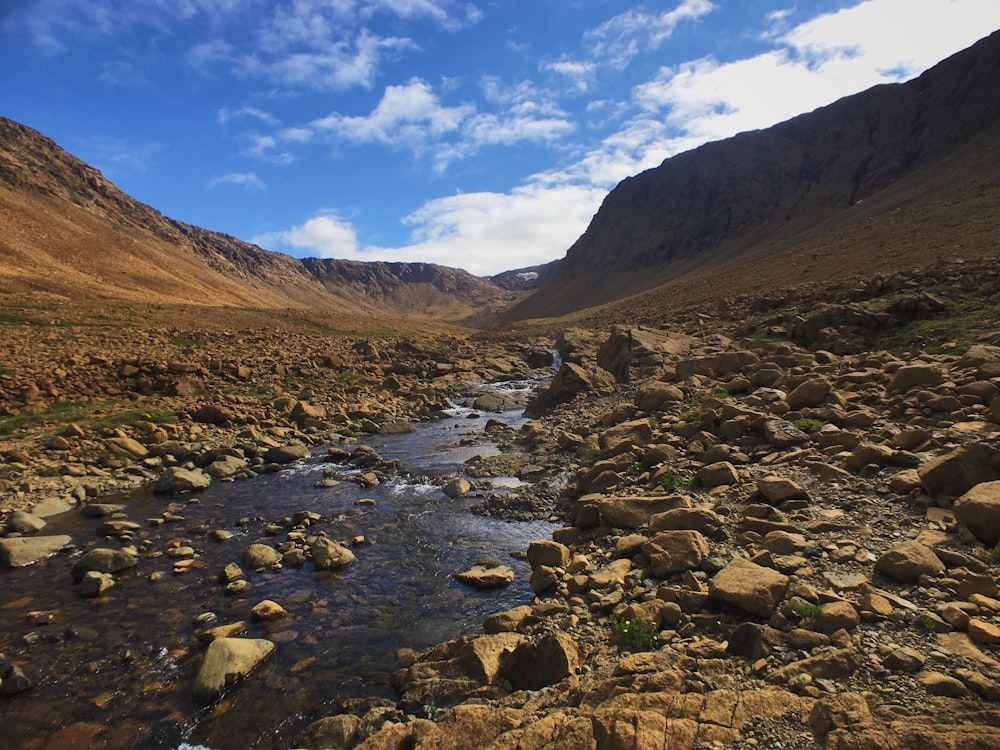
{"points": [[67, 231], [814, 198]]}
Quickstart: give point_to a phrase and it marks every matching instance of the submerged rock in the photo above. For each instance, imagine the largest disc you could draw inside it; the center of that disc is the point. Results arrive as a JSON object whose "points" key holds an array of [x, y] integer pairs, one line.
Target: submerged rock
{"points": [[226, 661]]}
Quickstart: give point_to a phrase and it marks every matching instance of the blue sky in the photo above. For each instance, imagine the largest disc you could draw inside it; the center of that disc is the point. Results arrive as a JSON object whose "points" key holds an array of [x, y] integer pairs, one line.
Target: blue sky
{"points": [[481, 134]]}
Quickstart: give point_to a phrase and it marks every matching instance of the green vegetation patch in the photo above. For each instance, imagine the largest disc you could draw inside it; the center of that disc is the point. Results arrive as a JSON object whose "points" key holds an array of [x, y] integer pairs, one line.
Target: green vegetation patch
{"points": [[637, 633], [64, 412]]}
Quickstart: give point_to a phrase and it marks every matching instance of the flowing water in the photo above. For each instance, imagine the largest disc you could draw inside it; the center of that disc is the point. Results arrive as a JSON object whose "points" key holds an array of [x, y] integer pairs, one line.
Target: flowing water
{"points": [[128, 660]]}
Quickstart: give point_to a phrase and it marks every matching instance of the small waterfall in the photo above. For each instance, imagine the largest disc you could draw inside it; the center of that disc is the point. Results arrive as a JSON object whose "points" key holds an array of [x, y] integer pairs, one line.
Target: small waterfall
{"points": [[556, 359]]}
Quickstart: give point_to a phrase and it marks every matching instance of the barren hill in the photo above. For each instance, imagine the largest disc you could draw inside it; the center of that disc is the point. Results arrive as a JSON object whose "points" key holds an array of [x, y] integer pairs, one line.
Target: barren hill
{"points": [[67, 231], [823, 195]]}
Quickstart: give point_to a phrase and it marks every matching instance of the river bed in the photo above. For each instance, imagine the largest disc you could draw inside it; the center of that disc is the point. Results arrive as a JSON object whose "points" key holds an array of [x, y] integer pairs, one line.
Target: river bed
{"points": [[128, 659]]}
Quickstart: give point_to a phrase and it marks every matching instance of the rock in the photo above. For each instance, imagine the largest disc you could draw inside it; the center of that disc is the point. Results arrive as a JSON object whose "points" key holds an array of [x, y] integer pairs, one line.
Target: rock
{"points": [[483, 577], [94, 584], [508, 621], [844, 710], [306, 414], [751, 587], [23, 522], [544, 552], [905, 660], [779, 490], [831, 665], [978, 510], [625, 436], [958, 471], [836, 616], [16, 552], [908, 376], [692, 519], [982, 631], [656, 395], [213, 414], [14, 680], [719, 474], [100, 510], [396, 427], [128, 445], [812, 392], [268, 610], [225, 467], [286, 454], [536, 664], [330, 733], [457, 488], [329, 555], [675, 551], [258, 556], [633, 512], [175, 480], [907, 561], [226, 661], [754, 641], [103, 560], [937, 683]]}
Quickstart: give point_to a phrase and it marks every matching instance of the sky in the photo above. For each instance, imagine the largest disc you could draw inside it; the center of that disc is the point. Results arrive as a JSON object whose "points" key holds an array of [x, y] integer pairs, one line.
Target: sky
{"points": [[478, 134]]}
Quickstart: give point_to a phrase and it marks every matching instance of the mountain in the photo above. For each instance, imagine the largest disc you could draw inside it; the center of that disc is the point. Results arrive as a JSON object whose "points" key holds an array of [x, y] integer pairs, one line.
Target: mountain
{"points": [[761, 199], [65, 230]]}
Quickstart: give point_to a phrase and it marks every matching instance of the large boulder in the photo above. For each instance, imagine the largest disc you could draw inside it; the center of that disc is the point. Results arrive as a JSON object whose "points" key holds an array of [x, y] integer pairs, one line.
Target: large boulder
{"points": [[751, 587], [536, 664], [672, 552], [979, 511], [907, 561], [176, 480], [226, 661], [625, 436], [633, 512], [958, 471], [103, 560], [329, 555]]}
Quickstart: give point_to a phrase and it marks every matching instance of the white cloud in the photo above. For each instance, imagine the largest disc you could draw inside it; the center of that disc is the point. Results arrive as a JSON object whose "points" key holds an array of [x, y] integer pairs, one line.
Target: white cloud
{"points": [[811, 65], [485, 233], [248, 180], [323, 236], [252, 113], [619, 39], [410, 113]]}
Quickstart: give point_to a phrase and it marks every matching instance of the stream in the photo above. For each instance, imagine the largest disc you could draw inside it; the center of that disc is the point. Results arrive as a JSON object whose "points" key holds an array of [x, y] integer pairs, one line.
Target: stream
{"points": [[128, 659]]}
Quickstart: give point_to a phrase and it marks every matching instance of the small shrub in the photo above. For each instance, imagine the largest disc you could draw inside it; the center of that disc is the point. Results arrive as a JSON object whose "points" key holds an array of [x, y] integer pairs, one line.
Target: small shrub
{"points": [[776, 516], [808, 426], [638, 634], [674, 481], [804, 609]]}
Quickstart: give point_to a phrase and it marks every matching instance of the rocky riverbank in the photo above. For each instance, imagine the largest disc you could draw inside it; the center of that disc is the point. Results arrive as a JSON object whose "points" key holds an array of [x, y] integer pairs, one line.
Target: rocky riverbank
{"points": [[771, 546]]}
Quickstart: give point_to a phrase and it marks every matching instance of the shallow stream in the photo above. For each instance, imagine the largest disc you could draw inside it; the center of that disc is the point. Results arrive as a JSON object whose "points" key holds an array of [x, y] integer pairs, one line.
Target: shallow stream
{"points": [[128, 659]]}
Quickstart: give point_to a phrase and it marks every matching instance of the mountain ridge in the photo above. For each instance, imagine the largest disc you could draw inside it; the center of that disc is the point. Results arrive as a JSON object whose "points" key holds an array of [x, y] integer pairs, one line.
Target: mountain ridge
{"points": [[728, 197], [67, 230]]}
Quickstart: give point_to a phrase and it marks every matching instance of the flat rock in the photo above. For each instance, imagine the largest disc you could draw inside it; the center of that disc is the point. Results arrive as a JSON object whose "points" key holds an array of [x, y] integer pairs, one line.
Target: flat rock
{"points": [[23, 522], [751, 587], [483, 577], [19, 551], [226, 661]]}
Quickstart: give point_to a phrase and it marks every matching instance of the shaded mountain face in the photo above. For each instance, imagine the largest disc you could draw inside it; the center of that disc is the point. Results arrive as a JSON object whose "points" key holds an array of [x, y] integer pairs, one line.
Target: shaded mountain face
{"points": [[65, 230], [749, 193]]}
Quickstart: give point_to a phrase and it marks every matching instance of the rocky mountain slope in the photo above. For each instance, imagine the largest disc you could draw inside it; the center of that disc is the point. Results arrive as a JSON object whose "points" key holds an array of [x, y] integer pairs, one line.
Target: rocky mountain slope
{"points": [[789, 195], [66, 230]]}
